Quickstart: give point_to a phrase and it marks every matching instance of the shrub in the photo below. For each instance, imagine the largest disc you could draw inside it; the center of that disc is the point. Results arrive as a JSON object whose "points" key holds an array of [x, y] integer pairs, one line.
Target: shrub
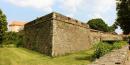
{"points": [[101, 49], [13, 38], [119, 44], [20, 40]]}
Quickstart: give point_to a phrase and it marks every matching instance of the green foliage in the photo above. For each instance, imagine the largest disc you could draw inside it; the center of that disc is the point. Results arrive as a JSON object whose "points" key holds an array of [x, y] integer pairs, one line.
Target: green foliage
{"points": [[113, 27], [13, 38], [99, 24], [119, 44], [22, 56], [129, 36], [101, 49], [123, 15], [3, 26]]}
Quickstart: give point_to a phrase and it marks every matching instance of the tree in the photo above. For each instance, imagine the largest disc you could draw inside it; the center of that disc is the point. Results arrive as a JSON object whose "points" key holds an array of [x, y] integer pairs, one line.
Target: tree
{"points": [[15, 38], [98, 24], [113, 27], [123, 15], [3, 25]]}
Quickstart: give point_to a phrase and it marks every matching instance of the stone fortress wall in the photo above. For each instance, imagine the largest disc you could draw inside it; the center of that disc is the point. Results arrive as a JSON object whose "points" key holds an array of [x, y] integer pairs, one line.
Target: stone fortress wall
{"points": [[97, 36], [69, 35], [55, 34], [38, 34]]}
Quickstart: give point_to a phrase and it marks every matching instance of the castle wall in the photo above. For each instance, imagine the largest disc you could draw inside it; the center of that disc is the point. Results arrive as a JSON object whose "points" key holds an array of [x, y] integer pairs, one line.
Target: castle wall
{"points": [[111, 37], [95, 36], [38, 35], [56, 34], [69, 36]]}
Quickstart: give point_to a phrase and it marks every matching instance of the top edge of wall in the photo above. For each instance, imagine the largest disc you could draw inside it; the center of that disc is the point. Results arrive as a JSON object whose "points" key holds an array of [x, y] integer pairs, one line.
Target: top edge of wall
{"points": [[93, 30], [60, 17]]}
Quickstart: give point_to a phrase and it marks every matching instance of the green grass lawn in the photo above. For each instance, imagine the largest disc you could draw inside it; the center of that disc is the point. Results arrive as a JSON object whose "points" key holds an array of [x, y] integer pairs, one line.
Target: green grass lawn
{"points": [[22, 56]]}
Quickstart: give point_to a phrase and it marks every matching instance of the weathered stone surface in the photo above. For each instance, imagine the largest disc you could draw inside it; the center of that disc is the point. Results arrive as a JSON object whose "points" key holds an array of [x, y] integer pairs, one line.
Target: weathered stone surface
{"points": [[56, 34], [38, 35], [97, 36], [116, 57], [69, 38], [128, 62]]}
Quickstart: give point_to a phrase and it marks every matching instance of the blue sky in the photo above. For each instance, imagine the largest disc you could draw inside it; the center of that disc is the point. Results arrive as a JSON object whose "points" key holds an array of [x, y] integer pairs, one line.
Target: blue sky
{"points": [[83, 10]]}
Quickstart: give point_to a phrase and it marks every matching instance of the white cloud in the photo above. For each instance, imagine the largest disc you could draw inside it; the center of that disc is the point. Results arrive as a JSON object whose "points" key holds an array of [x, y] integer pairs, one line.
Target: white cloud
{"points": [[97, 15], [118, 30], [45, 5], [95, 5], [73, 8], [70, 15], [97, 8], [102, 6], [105, 9], [71, 5]]}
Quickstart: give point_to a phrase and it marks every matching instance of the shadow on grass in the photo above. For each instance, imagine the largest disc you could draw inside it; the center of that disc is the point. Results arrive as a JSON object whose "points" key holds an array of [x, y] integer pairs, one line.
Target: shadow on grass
{"points": [[89, 57]]}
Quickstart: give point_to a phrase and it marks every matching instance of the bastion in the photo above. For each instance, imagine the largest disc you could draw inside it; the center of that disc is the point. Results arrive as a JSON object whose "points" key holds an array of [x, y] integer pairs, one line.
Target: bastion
{"points": [[55, 34]]}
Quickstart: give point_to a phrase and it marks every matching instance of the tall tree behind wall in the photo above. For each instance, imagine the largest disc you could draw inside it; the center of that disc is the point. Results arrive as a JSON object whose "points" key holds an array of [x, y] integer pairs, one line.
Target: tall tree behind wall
{"points": [[3, 25], [123, 15], [99, 24]]}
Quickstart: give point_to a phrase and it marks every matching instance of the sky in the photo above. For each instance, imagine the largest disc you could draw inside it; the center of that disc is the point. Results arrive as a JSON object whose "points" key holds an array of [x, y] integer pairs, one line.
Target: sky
{"points": [[82, 10]]}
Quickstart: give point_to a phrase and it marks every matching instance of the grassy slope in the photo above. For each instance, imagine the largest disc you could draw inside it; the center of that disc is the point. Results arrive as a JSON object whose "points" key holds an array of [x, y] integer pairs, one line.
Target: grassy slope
{"points": [[22, 56]]}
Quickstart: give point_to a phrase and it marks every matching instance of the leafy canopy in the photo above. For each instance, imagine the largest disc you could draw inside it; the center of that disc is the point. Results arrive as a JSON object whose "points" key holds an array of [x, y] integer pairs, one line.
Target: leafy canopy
{"points": [[123, 15], [99, 24], [3, 25]]}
